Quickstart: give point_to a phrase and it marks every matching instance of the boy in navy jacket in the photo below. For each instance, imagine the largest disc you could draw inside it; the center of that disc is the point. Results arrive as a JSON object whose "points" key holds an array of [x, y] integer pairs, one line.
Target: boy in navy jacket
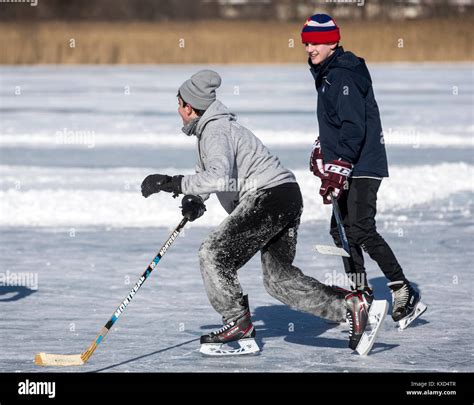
{"points": [[350, 159]]}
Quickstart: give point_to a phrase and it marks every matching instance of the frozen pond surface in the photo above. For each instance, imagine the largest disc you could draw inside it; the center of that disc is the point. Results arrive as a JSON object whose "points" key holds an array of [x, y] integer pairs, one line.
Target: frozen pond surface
{"points": [[75, 143]]}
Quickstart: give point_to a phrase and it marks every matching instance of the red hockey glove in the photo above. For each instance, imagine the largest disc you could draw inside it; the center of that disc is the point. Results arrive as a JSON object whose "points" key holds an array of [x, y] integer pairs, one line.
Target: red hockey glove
{"points": [[316, 164], [335, 180]]}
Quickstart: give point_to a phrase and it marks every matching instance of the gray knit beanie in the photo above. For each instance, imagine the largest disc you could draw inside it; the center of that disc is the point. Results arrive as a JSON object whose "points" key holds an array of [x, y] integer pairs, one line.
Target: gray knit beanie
{"points": [[200, 89]]}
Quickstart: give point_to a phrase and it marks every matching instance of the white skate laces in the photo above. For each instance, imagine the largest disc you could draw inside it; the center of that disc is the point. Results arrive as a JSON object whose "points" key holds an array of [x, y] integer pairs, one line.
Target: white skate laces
{"points": [[226, 327], [400, 297], [350, 323], [407, 305]]}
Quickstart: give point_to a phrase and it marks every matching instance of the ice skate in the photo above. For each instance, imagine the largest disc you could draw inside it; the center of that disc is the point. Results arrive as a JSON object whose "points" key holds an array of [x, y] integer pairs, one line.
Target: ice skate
{"points": [[236, 337], [407, 305], [364, 316]]}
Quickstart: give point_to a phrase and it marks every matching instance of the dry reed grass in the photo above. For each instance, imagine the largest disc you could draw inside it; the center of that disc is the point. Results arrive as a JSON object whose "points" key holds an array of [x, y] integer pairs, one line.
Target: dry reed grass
{"points": [[226, 42]]}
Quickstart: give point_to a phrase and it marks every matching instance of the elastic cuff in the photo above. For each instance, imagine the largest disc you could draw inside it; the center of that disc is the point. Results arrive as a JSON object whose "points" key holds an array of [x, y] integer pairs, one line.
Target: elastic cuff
{"points": [[176, 184]]}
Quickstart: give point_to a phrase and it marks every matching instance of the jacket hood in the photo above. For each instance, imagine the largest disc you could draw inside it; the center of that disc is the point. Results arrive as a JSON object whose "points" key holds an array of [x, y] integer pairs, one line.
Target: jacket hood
{"points": [[216, 111], [343, 60]]}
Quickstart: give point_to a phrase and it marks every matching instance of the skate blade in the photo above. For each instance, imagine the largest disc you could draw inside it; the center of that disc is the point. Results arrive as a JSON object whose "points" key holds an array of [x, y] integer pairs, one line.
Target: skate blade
{"points": [[378, 311], [246, 346], [332, 250], [417, 312]]}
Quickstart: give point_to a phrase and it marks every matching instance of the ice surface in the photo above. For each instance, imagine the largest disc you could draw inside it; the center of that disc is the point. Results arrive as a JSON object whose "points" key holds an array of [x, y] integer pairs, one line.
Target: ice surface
{"points": [[75, 232], [82, 279]]}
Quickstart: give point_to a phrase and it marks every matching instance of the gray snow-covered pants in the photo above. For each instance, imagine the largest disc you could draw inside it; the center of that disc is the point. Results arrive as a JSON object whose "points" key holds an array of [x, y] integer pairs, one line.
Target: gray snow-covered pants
{"points": [[265, 221]]}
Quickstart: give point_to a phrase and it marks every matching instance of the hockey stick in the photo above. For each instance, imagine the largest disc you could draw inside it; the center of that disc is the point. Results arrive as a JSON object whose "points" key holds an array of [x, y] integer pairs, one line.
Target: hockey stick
{"points": [[340, 225], [45, 359], [333, 250]]}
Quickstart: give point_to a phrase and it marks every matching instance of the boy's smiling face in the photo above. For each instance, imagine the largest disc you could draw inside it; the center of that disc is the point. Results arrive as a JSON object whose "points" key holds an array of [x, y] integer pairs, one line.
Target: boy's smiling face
{"points": [[318, 53]]}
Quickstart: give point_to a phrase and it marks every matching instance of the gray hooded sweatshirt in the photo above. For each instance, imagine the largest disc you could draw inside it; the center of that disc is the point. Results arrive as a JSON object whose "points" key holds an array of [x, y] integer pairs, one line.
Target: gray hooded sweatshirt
{"points": [[231, 161]]}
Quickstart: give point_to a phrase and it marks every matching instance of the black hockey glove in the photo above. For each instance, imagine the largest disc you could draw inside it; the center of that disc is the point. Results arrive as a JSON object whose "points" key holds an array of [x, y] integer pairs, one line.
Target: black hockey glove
{"points": [[192, 207], [154, 183]]}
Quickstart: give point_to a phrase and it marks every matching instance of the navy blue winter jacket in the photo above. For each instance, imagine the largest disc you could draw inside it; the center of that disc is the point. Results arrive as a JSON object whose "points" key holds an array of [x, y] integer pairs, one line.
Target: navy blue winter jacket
{"points": [[348, 116]]}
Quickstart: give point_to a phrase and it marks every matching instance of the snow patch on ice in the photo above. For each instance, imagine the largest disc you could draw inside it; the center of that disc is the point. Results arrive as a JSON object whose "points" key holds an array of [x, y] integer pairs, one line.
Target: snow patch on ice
{"points": [[89, 197], [396, 137]]}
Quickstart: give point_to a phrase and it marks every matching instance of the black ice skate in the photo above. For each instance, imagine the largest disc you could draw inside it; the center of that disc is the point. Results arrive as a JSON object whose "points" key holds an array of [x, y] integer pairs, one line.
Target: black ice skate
{"points": [[364, 316], [239, 333], [407, 305]]}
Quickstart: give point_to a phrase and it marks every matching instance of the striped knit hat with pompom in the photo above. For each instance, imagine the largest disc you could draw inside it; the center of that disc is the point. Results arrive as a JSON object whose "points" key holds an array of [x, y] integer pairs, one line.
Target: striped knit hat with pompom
{"points": [[320, 29]]}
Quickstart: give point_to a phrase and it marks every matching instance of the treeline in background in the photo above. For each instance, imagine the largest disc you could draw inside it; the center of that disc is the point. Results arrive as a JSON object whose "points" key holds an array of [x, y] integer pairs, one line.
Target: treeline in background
{"points": [[227, 31]]}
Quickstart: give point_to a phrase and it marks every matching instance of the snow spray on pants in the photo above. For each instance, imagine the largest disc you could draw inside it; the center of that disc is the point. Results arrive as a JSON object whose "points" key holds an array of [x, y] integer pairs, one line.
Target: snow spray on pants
{"points": [[265, 221]]}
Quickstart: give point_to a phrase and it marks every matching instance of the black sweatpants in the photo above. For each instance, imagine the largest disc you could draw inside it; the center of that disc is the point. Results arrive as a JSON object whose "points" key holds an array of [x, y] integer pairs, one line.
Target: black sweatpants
{"points": [[358, 207], [265, 221]]}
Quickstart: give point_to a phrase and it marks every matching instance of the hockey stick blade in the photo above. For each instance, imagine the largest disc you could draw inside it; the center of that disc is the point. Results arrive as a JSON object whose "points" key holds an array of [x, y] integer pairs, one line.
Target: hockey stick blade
{"points": [[68, 360], [64, 360], [332, 250]]}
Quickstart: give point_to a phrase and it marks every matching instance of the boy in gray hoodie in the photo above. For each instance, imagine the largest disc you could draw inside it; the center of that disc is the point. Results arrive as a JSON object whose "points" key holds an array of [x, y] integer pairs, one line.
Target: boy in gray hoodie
{"points": [[264, 204]]}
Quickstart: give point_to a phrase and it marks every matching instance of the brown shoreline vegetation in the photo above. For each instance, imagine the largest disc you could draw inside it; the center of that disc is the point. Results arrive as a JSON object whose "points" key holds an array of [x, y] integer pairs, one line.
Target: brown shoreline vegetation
{"points": [[221, 42]]}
